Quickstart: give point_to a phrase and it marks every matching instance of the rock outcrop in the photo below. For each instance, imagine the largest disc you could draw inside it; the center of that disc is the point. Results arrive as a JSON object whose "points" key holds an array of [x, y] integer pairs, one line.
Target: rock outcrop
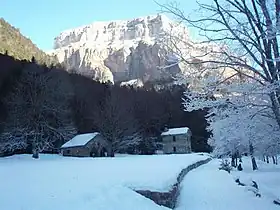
{"points": [[118, 50]]}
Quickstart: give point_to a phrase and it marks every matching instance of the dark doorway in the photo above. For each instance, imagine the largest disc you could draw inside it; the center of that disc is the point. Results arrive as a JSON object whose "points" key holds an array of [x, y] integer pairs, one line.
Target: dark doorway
{"points": [[174, 149], [103, 152], [93, 152]]}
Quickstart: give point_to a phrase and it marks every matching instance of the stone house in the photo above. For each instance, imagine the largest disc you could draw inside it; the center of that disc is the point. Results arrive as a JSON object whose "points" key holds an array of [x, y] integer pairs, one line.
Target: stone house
{"points": [[176, 140], [86, 145]]}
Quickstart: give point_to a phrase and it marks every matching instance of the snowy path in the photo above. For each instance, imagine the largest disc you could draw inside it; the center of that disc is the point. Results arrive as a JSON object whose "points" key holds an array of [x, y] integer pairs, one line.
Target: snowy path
{"points": [[207, 188]]}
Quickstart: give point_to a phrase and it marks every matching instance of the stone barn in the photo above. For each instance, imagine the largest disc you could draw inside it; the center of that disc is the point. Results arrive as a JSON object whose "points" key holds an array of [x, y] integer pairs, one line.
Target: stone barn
{"points": [[176, 140], [86, 145]]}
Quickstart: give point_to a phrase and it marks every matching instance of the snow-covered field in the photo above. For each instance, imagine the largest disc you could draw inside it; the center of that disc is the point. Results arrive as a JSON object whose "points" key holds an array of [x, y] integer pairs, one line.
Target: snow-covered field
{"points": [[54, 182], [267, 178], [207, 188]]}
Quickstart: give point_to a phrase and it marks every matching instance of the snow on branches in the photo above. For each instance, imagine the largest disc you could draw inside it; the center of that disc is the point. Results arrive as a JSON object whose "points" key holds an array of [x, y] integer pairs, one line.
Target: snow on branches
{"points": [[39, 116], [239, 115], [233, 72]]}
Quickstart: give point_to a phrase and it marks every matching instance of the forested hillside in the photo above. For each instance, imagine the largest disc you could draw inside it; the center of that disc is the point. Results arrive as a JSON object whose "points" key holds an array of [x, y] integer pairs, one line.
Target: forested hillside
{"points": [[43, 107], [15, 44]]}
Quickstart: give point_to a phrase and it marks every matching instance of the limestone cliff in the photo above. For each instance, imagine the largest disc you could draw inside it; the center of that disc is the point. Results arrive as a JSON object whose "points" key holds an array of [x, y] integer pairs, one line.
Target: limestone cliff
{"points": [[118, 50]]}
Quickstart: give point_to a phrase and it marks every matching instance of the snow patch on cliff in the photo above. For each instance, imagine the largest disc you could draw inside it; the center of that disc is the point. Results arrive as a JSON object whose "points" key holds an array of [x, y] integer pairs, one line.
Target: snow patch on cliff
{"points": [[106, 32]]}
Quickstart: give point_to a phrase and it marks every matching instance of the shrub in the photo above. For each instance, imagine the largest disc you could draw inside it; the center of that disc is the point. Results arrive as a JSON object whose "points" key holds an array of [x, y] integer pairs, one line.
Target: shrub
{"points": [[225, 165]]}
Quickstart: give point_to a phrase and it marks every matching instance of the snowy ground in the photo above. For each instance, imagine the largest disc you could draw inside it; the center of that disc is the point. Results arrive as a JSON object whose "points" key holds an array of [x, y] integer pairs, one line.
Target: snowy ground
{"points": [[267, 177], [207, 188], [56, 183]]}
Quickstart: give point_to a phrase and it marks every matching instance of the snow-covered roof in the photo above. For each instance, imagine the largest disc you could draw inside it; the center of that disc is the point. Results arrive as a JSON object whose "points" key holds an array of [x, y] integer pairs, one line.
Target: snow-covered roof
{"points": [[80, 140], [175, 131], [133, 82]]}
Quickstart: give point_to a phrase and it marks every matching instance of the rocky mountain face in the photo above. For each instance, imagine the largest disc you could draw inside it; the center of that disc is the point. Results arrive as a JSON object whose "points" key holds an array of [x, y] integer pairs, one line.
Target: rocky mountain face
{"points": [[118, 50]]}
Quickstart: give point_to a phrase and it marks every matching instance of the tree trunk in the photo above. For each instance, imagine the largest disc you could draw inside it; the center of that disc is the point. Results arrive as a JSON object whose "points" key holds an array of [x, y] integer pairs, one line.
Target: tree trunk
{"points": [[111, 152], [267, 159], [263, 158], [275, 107], [254, 163], [35, 154], [276, 160], [233, 162], [273, 159]]}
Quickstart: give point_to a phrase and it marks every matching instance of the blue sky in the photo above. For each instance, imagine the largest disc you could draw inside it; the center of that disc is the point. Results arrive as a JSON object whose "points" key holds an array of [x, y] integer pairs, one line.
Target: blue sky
{"points": [[42, 20]]}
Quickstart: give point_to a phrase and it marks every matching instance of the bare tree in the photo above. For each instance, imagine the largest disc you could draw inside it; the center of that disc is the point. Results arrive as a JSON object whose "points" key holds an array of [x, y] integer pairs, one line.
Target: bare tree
{"points": [[240, 35], [38, 111], [114, 120], [12, 141]]}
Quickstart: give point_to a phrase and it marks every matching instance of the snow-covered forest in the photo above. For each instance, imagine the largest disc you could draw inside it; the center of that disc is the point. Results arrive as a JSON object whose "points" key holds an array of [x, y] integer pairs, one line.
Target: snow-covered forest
{"points": [[223, 94], [238, 81], [43, 107]]}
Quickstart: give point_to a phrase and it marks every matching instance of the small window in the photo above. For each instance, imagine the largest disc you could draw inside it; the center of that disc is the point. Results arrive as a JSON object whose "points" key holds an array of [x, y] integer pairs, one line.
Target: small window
{"points": [[174, 149], [68, 151], [174, 138]]}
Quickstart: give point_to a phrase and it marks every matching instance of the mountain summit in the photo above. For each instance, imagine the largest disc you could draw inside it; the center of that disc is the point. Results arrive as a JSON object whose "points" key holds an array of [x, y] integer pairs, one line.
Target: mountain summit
{"points": [[118, 50], [115, 32]]}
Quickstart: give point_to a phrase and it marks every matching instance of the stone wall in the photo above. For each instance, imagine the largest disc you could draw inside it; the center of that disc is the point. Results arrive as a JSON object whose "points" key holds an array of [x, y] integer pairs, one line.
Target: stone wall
{"points": [[182, 143], [79, 151], [169, 199]]}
